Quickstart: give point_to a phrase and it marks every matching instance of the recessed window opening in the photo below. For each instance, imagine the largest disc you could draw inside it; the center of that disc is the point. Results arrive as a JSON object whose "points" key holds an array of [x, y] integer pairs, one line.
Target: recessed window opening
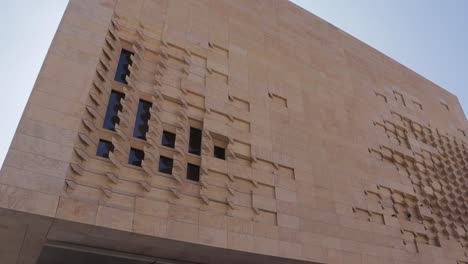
{"points": [[141, 122], [165, 165], [123, 71], [195, 141], [168, 139], [113, 107], [104, 147], [219, 152], [193, 172], [136, 157]]}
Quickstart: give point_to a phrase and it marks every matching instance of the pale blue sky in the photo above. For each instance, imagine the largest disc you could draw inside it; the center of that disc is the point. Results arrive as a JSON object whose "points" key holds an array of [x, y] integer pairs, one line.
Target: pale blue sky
{"points": [[430, 37]]}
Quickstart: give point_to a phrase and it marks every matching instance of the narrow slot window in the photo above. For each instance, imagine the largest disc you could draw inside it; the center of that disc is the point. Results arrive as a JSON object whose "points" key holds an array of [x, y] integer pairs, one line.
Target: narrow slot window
{"points": [[136, 157], [193, 172], [104, 147], [195, 141], [113, 107], [122, 68], [141, 122]]}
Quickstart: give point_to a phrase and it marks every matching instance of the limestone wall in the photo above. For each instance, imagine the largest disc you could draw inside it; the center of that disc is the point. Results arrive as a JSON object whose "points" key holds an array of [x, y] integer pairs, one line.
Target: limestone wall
{"points": [[335, 152]]}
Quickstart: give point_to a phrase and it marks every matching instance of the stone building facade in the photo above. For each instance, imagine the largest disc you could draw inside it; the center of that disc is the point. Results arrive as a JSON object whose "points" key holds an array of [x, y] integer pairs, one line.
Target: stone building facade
{"points": [[218, 131]]}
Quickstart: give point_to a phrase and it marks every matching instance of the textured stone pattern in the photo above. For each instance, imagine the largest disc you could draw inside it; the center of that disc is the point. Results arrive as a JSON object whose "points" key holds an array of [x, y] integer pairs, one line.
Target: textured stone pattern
{"points": [[175, 79], [334, 152], [435, 162]]}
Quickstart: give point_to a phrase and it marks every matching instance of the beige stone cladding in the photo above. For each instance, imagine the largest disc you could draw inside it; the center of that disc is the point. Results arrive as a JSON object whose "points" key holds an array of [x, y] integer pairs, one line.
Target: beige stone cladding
{"points": [[334, 153]]}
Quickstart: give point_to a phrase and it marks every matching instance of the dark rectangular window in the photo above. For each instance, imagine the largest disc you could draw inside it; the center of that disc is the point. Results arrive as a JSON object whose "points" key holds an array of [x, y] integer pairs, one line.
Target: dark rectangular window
{"points": [[113, 107], [193, 172], [135, 157], [195, 141], [168, 139], [141, 123], [104, 147], [165, 164], [219, 153], [122, 68]]}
